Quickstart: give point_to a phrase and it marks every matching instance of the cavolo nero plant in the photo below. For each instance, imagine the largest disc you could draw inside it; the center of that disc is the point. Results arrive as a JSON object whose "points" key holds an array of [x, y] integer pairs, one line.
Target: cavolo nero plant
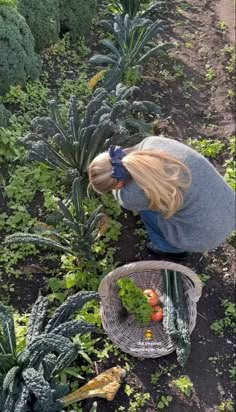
{"points": [[134, 7], [28, 379], [130, 7], [73, 147], [133, 43], [108, 119], [131, 114], [78, 235], [138, 114]]}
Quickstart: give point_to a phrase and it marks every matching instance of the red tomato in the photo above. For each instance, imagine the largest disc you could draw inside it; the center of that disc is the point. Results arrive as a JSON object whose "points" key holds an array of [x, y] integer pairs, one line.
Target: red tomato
{"points": [[152, 296], [157, 313]]}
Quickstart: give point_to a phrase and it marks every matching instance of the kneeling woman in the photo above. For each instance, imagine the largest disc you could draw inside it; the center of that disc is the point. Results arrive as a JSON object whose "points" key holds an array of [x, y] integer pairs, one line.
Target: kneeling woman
{"points": [[184, 203]]}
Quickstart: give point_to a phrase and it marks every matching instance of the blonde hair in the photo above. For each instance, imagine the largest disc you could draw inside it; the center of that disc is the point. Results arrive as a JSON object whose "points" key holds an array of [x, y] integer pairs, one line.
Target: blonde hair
{"points": [[158, 174]]}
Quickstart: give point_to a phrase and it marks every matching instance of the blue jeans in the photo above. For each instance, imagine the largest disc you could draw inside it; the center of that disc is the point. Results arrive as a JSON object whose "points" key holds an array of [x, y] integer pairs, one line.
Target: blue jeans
{"points": [[150, 221]]}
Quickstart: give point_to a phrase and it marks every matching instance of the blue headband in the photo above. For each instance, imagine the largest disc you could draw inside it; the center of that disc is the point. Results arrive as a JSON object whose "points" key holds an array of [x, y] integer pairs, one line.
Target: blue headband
{"points": [[119, 172]]}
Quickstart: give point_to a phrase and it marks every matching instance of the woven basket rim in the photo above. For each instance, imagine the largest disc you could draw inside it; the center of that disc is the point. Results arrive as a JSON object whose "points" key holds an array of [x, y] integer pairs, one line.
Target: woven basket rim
{"points": [[110, 318], [152, 265]]}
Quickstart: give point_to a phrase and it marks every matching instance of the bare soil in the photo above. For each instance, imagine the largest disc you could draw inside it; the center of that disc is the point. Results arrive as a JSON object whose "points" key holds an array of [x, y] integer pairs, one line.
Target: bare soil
{"points": [[225, 10]]}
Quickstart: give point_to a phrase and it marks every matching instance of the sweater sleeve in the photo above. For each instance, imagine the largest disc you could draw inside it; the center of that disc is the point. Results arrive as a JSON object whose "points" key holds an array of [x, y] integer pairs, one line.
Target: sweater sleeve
{"points": [[131, 197]]}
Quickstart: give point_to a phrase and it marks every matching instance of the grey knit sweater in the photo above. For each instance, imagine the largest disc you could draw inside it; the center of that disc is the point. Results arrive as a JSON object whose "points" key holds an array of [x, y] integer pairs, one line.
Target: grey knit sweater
{"points": [[207, 215]]}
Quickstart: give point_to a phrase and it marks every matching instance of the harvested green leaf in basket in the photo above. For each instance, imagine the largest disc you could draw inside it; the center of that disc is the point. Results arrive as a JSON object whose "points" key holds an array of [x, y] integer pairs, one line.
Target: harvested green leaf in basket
{"points": [[133, 300]]}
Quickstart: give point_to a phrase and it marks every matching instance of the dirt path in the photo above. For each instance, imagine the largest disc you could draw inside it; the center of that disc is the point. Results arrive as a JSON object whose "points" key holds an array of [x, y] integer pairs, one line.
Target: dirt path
{"points": [[226, 12], [197, 85]]}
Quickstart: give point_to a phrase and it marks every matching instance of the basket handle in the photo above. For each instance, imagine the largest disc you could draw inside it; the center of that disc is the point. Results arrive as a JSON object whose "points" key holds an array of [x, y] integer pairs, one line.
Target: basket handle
{"points": [[195, 292]]}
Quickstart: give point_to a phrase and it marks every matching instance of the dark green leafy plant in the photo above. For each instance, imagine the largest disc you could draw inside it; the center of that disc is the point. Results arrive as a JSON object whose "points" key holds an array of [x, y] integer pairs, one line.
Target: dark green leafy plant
{"points": [[134, 7], [28, 382], [4, 116], [109, 119], [133, 44], [76, 16], [7, 340], [74, 147], [41, 14], [81, 232], [137, 113], [133, 300], [175, 320], [130, 7], [18, 61]]}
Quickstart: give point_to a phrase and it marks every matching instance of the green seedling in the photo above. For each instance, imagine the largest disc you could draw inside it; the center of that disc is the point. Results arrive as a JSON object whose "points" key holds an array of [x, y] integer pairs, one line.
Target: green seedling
{"points": [[222, 25], [204, 278], [164, 401], [184, 385], [226, 406], [228, 321], [206, 147], [210, 73]]}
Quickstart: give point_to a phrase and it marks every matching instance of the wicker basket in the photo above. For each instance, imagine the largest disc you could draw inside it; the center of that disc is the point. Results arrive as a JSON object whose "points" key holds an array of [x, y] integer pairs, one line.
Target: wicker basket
{"points": [[149, 341]]}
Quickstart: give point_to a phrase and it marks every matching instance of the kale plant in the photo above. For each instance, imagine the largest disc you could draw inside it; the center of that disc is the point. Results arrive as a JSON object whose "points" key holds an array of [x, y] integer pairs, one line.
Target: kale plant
{"points": [[28, 380], [18, 61], [76, 16], [133, 44], [134, 7], [110, 118], [43, 18], [72, 147], [137, 115]]}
